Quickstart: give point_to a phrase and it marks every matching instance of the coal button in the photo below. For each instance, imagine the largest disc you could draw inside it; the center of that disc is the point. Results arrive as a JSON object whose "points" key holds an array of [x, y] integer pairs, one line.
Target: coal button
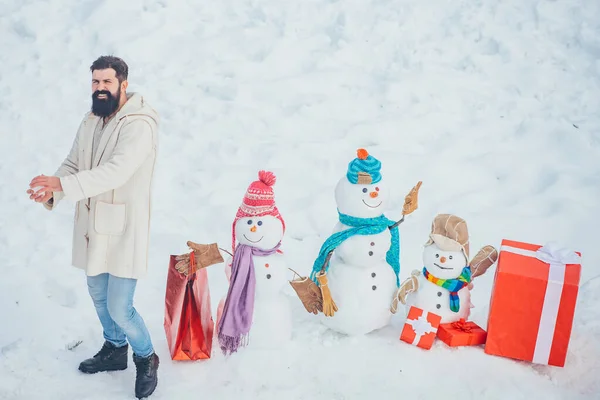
{"points": [[268, 276], [374, 287], [438, 306], [439, 294], [373, 274]]}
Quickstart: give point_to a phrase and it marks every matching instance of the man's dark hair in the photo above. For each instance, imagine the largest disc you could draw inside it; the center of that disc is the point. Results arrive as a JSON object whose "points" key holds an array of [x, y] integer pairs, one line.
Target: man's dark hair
{"points": [[105, 62]]}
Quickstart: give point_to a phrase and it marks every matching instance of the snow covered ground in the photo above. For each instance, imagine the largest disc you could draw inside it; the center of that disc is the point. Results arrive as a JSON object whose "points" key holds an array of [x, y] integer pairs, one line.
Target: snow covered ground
{"points": [[493, 105]]}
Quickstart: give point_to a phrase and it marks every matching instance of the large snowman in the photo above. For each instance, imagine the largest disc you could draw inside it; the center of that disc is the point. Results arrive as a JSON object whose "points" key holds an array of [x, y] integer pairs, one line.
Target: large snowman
{"points": [[444, 285], [255, 309], [358, 265]]}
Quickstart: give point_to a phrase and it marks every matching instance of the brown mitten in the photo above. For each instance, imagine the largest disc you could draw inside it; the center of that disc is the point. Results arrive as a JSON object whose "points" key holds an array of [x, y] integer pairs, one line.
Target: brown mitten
{"points": [[308, 292], [408, 286], [205, 254], [329, 306], [183, 263], [485, 258], [411, 201]]}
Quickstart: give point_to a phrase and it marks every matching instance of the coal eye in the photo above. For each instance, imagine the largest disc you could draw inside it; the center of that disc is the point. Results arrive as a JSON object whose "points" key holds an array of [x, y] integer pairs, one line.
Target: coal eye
{"points": [[259, 223], [450, 257], [365, 190], [437, 256], [377, 189], [249, 222]]}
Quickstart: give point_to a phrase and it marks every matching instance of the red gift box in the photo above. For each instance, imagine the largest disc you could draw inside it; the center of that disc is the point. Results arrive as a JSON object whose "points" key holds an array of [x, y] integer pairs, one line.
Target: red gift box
{"points": [[533, 303], [420, 328], [461, 333]]}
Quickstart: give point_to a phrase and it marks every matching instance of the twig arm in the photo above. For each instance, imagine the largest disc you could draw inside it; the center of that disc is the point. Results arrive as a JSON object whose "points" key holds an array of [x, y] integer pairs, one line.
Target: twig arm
{"points": [[397, 223]]}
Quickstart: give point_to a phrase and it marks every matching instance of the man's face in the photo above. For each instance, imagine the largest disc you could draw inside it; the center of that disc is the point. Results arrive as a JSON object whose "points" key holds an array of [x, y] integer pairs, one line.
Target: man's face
{"points": [[106, 92]]}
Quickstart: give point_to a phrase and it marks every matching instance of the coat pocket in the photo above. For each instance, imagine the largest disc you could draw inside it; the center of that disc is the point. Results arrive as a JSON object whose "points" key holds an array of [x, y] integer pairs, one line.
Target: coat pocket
{"points": [[110, 219]]}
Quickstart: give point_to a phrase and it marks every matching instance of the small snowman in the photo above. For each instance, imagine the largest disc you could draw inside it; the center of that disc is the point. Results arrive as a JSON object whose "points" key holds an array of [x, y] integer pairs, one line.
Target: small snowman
{"points": [[255, 308], [443, 287], [358, 265]]}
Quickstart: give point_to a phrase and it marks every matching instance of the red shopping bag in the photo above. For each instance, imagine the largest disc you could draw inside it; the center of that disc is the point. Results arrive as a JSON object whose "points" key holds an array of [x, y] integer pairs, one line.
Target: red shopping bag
{"points": [[188, 317]]}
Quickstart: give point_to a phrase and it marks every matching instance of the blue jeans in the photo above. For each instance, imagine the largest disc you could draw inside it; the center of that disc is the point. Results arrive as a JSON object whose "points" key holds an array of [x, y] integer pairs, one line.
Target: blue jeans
{"points": [[113, 299]]}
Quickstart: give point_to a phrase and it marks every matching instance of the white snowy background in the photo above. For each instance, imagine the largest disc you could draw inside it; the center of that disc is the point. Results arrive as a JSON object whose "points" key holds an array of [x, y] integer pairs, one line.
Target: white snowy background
{"points": [[494, 105]]}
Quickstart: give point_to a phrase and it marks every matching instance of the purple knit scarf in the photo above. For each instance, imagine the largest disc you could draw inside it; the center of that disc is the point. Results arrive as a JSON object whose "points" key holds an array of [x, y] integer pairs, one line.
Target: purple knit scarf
{"points": [[236, 319]]}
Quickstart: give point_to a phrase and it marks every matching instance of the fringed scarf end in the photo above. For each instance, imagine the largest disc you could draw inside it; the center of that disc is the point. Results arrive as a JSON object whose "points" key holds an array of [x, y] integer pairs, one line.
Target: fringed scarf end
{"points": [[231, 344]]}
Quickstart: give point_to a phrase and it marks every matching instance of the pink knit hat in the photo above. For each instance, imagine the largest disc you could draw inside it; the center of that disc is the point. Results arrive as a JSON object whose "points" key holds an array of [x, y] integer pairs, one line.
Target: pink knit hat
{"points": [[258, 201]]}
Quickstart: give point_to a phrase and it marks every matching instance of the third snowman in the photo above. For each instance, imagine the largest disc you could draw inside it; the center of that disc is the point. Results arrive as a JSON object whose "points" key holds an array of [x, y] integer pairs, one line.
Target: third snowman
{"points": [[443, 285], [357, 266]]}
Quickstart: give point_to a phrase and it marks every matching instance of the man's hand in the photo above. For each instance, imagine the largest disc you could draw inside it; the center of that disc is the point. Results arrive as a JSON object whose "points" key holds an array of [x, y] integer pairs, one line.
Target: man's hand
{"points": [[47, 186]]}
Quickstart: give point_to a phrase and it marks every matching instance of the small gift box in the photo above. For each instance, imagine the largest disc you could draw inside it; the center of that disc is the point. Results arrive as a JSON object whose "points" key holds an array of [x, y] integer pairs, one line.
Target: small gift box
{"points": [[420, 328], [461, 333], [533, 302]]}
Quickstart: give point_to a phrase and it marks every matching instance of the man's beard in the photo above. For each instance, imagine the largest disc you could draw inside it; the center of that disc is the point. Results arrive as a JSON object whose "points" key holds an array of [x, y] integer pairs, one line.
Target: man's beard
{"points": [[107, 106]]}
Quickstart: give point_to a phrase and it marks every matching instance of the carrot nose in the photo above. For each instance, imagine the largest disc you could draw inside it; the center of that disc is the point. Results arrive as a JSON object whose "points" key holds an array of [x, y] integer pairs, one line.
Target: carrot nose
{"points": [[253, 229], [374, 194], [442, 259]]}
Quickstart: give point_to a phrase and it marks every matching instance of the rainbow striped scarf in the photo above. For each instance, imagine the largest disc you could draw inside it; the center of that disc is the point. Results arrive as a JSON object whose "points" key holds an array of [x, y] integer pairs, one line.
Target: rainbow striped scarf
{"points": [[452, 285]]}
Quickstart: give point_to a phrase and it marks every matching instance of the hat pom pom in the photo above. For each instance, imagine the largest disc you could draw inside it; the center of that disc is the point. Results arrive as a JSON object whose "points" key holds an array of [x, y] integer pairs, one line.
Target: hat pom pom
{"points": [[362, 154], [267, 177]]}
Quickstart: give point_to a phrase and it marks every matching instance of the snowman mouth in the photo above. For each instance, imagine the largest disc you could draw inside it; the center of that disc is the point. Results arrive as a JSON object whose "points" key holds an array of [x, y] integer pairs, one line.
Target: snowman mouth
{"points": [[366, 204], [440, 267], [253, 241]]}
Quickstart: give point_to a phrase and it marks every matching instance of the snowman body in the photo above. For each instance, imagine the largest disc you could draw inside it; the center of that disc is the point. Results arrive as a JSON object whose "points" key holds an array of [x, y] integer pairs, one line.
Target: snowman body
{"points": [[436, 299], [271, 316], [363, 250], [362, 283]]}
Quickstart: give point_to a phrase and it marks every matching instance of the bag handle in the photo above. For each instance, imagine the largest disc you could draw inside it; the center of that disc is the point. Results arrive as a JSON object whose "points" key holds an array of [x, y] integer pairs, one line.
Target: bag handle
{"points": [[192, 269]]}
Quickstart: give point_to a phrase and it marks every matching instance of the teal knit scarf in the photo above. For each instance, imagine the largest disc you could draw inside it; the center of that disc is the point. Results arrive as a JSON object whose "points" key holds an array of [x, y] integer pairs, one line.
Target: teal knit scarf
{"points": [[361, 226]]}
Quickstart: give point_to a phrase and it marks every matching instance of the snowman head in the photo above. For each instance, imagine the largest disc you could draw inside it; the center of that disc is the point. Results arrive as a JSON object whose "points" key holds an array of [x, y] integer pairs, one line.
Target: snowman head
{"points": [[262, 232], [443, 264], [258, 222], [447, 250], [362, 192]]}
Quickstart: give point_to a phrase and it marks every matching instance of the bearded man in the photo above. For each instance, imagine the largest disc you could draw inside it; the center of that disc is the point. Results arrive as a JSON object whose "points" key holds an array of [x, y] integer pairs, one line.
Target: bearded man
{"points": [[108, 173]]}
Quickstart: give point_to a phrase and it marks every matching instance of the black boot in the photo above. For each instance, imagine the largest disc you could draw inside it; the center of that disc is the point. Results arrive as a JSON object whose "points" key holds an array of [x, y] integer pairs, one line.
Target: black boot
{"points": [[146, 377], [109, 358]]}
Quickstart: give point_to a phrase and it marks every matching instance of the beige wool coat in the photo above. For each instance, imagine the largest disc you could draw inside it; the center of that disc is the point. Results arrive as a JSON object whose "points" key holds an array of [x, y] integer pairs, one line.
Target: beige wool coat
{"points": [[112, 191]]}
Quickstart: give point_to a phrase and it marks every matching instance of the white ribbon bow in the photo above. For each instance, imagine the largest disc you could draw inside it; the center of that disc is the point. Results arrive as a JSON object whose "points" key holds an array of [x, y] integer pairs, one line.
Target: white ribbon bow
{"points": [[552, 253]]}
